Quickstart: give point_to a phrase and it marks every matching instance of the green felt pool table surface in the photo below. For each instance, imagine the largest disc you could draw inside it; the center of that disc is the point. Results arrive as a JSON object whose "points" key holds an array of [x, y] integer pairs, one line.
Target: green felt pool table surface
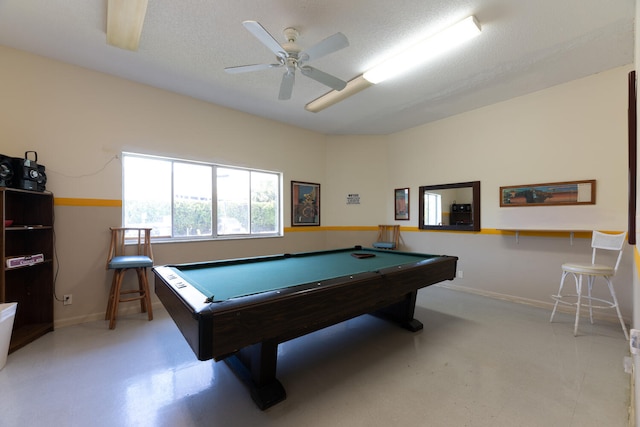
{"points": [[225, 280]]}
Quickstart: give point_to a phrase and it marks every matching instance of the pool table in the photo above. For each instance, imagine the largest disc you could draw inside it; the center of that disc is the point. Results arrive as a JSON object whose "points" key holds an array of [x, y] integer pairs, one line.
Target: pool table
{"points": [[239, 310]]}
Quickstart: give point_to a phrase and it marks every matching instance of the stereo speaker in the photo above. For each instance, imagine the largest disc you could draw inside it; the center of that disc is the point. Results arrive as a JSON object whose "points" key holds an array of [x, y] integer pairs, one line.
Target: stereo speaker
{"points": [[28, 174], [6, 171]]}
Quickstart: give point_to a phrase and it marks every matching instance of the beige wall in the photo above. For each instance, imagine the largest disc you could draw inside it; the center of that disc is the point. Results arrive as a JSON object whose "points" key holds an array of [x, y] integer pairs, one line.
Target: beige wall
{"points": [[79, 120], [569, 132], [357, 165], [573, 131]]}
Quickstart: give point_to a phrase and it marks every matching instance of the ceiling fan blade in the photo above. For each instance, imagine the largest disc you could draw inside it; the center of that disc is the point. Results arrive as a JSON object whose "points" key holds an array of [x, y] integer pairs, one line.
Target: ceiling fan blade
{"points": [[286, 87], [248, 68], [264, 37], [324, 78], [329, 45]]}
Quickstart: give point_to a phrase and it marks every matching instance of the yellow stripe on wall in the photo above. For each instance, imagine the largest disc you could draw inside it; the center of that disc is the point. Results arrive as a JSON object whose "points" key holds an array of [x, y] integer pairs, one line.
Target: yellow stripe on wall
{"points": [[68, 201], [331, 228]]}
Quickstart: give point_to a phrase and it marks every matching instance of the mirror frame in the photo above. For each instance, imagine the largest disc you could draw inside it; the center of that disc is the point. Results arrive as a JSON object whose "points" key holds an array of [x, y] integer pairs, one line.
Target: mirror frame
{"points": [[475, 206]]}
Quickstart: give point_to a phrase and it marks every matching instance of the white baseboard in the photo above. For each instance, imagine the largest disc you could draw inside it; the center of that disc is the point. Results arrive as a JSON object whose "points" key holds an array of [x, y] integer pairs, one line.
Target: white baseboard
{"points": [[598, 314], [605, 315], [124, 310]]}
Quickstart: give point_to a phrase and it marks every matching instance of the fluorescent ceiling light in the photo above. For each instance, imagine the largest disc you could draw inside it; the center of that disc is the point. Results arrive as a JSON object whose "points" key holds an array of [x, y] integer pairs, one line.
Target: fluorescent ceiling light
{"points": [[124, 22], [328, 99], [415, 55], [426, 49]]}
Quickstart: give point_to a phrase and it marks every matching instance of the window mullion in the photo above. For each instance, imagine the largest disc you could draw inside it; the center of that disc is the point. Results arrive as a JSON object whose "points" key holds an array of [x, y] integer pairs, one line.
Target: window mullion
{"points": [[250, 199], [214, 201], [173, 200]]}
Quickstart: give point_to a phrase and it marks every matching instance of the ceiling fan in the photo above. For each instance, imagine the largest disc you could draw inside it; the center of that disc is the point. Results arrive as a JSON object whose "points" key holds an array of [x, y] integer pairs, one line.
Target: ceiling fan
{"points": [[290, 56]]}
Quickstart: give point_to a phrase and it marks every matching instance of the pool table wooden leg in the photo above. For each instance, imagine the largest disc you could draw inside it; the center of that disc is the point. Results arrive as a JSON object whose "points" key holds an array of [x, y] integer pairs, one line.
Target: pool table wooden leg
{"points": [[402, 313], [256, 367]]}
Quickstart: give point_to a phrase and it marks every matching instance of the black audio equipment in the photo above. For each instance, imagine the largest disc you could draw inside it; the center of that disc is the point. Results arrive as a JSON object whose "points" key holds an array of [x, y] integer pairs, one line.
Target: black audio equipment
{"points": [[6, 171], [28, 174], [463, 207], [42, 179]]}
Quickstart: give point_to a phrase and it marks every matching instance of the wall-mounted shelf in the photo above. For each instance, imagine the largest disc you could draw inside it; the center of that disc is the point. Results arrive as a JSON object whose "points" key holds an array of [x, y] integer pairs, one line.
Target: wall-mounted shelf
{"points": [[571, 232]]}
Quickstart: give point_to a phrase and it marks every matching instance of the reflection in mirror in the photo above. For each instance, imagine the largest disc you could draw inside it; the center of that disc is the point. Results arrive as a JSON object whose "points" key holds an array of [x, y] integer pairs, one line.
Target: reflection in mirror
{"points": [[450, 206]]}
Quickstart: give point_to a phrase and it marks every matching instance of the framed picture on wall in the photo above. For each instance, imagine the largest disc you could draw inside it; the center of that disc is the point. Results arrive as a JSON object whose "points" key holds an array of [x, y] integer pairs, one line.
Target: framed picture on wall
{"points": [[549, 194], [401, 200], [305, 204]]}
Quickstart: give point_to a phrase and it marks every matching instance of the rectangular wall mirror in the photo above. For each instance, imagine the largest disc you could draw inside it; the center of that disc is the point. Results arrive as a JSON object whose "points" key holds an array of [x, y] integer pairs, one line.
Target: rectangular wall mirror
{"points": [[450, 206]]}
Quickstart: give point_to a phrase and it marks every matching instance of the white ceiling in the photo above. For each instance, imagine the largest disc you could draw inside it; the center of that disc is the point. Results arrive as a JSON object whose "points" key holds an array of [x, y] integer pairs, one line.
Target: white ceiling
{"points": [[525, 46]]}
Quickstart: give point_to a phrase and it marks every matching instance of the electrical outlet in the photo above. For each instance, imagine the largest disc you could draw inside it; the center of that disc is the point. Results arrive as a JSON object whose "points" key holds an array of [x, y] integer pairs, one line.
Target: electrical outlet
{"points": [[67, 299], [460, 274], [634, 341]]}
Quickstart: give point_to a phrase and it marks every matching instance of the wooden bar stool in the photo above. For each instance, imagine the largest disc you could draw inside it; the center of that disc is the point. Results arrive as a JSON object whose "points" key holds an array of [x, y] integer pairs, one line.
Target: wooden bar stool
{"points": [[138, 257], [388, 237]]}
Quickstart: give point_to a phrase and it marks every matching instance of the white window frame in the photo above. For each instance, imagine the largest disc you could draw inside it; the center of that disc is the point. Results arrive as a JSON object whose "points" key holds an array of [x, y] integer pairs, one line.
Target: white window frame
{"points": [[279, 226]]}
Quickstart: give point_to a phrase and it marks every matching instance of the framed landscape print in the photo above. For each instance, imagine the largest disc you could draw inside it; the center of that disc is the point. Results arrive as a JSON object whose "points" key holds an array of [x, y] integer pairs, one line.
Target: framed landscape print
{"points": [[305, 204], [549, 194]]}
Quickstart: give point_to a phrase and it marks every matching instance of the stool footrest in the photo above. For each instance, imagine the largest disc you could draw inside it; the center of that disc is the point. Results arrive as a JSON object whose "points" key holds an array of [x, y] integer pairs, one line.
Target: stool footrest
{"points": [[132, 299], [607, 304]]}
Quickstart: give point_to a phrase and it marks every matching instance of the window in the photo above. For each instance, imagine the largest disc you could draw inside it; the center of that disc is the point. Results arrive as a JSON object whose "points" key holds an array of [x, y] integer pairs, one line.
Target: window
{"points": [[183, 199], [433, 209]]}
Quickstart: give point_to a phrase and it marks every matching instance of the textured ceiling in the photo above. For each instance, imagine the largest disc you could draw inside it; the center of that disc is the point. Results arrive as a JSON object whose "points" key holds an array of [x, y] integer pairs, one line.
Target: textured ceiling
{"points": [[525, 45]]}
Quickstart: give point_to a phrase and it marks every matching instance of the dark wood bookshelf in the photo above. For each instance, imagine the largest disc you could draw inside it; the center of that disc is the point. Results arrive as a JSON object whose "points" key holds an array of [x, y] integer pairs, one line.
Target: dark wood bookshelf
{"points": [[31, 286]]}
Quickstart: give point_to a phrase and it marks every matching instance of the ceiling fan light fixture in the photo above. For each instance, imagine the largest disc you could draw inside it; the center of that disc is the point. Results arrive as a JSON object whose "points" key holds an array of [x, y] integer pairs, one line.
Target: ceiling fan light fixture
{"points": [[424, 50]]}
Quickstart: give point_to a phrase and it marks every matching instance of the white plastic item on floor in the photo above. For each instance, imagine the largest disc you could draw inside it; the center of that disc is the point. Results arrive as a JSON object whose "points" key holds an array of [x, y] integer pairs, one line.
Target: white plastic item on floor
{"points": [[7, 314]]}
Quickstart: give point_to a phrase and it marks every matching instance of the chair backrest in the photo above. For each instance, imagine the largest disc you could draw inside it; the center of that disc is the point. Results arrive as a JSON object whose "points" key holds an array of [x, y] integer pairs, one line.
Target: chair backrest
{"points": [[389, 235], [129, 241], [608, 242]]}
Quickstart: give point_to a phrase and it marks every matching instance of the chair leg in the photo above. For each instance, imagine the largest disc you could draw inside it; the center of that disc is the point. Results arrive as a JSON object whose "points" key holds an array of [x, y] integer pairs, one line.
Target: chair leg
{"points": [[145, 300], [116, 299], [559, 295], [142, 289], [578, 304], [590, 280], [147, 295], [615, 302], [111, 295], [555, 306]]}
